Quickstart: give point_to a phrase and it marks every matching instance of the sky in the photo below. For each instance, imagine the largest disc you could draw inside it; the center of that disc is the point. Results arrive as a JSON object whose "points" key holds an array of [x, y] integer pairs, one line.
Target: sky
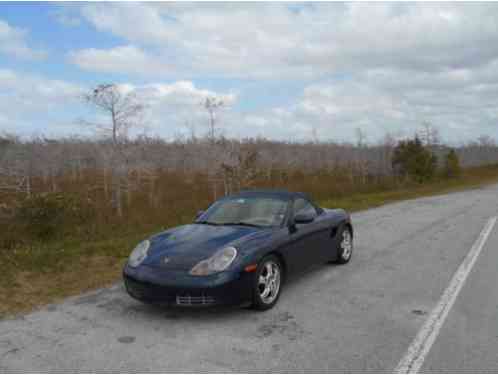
{"points": [[285, 71]]}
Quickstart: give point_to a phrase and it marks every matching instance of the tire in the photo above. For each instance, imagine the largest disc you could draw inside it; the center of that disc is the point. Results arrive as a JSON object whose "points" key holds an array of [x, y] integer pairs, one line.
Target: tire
{"points": [[267, 285], [344, 245]]}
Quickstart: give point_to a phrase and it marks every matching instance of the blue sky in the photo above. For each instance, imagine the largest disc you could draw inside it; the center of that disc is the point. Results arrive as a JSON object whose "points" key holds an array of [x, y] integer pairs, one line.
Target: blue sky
{"points": [[45, 33], [285, 71]]}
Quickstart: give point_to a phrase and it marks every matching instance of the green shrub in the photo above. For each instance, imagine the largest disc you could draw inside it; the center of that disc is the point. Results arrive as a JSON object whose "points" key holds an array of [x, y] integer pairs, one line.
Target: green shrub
{"points": [[47, 216], [452, 165], [411, 159]]}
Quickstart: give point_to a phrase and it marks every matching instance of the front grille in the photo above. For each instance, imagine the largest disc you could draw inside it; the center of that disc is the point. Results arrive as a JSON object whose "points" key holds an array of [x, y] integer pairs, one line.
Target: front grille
{"points": [[171, 295], [147, 291], [194, 300]]}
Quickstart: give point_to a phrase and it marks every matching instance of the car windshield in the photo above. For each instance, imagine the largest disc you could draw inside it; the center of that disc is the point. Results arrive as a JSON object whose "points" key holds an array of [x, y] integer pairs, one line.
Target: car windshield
{"points": [[251, 211]]}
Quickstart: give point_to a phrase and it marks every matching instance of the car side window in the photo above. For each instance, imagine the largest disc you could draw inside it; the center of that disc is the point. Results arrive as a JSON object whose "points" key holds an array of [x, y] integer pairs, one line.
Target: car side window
{"points": [[301, 205]]}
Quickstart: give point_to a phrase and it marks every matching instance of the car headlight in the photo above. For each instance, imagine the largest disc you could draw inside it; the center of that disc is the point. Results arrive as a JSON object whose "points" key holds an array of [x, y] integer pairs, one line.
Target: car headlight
{"points": [[216, 263], [139, 253]]}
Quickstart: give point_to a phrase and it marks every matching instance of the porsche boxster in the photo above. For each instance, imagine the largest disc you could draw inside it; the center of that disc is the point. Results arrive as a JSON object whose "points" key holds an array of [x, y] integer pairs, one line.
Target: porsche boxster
{"points": [[239, 251]]}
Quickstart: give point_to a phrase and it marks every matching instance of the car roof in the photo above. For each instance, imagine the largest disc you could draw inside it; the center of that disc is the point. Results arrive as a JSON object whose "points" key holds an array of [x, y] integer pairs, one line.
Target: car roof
{"points": [[282, 194]]}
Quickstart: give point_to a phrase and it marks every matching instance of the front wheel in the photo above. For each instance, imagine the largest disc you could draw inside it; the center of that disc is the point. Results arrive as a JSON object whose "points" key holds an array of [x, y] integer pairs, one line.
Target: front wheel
{"points": [[345, 247], [267, 284]]}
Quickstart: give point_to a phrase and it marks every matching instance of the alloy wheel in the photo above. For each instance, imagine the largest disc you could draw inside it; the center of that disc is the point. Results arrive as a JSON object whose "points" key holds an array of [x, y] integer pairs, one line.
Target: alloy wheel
{"points": [[346, 245], [269, 282]]}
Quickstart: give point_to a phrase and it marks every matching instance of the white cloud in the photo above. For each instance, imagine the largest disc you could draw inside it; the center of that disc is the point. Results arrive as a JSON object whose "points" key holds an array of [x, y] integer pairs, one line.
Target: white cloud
{"points": [[180, 92], [460, 104], [275, 40], [30, 103], [170, 107], [35, 88], [382, 66], [134, 21], [13, 43], [377, 101], [123, 59]]}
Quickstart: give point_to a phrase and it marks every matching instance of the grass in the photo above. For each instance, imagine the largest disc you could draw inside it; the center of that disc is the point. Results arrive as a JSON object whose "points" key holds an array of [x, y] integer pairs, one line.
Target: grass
{"points": [[46, 273], [472, 178]]}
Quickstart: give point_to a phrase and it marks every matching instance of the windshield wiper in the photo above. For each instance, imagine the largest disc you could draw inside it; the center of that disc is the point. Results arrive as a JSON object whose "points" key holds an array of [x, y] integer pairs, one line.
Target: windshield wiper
{"points": [[245, 224], [206, 222]]}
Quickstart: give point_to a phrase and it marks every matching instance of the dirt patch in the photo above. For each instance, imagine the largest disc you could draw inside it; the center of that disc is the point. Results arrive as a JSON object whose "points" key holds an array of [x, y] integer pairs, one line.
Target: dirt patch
{"points": [[126, 339], [283, 324]]}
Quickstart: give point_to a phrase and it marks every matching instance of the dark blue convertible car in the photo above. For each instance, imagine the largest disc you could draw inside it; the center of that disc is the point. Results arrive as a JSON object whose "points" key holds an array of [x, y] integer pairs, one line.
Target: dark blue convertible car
{"points": [[240, 250]]}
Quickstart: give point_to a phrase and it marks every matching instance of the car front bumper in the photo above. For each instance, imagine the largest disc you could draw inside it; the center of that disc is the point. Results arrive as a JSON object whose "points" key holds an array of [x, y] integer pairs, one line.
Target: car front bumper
{"points": [[154, 285]]}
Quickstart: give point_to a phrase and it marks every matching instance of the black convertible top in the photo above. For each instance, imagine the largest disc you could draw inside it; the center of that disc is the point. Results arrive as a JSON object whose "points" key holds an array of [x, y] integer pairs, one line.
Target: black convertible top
{"points": [[282, 194]]}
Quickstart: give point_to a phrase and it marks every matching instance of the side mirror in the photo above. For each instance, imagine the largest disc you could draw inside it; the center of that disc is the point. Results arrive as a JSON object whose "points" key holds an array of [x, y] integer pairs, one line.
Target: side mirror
{"points": [[199, 213], [304, 217]]}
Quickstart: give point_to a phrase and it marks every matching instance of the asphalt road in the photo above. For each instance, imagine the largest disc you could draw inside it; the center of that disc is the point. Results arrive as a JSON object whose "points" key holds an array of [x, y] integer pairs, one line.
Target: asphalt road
{"points": [[361, 317]]}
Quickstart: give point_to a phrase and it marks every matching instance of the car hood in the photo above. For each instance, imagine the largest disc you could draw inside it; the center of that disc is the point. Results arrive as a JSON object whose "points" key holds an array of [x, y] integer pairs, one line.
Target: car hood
{"points": [[183, 247]]}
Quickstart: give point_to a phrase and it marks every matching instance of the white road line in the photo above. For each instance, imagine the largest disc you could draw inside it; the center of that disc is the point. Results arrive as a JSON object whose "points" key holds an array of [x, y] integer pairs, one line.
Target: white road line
{"points": [[419, 348]]}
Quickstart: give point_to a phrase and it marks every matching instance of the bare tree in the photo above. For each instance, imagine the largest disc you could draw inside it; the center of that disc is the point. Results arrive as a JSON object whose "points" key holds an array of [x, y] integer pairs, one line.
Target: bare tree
{"points": [[361, 137], [21, 163], [123, 109], [212, 105], [124, 112], [362, 160], [14, 173], [191, 130], [217, 150], [429, 134], [486, 141], [314, 134], [386, 148]]}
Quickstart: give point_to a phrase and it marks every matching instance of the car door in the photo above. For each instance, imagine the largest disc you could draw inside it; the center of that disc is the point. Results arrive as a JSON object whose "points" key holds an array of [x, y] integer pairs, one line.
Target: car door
{"points": [[325, 231], [303, 248]]}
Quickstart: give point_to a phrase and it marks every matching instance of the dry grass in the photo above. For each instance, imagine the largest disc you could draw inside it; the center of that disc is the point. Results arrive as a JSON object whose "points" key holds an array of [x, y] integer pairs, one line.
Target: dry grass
{"points": [[31, 290]]}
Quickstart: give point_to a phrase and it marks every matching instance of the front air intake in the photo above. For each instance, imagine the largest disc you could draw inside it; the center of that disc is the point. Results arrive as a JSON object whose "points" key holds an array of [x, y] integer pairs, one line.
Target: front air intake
{"points": [[188, 300]]}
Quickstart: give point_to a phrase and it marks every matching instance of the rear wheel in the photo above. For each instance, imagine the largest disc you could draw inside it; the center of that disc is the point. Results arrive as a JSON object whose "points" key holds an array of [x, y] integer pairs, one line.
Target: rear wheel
{"points": [[345, 246], [267, 284]]}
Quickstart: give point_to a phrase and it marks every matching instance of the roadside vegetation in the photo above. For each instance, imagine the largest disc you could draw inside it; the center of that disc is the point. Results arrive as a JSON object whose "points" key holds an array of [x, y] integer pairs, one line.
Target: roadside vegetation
{"points": [[72, 209]]}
